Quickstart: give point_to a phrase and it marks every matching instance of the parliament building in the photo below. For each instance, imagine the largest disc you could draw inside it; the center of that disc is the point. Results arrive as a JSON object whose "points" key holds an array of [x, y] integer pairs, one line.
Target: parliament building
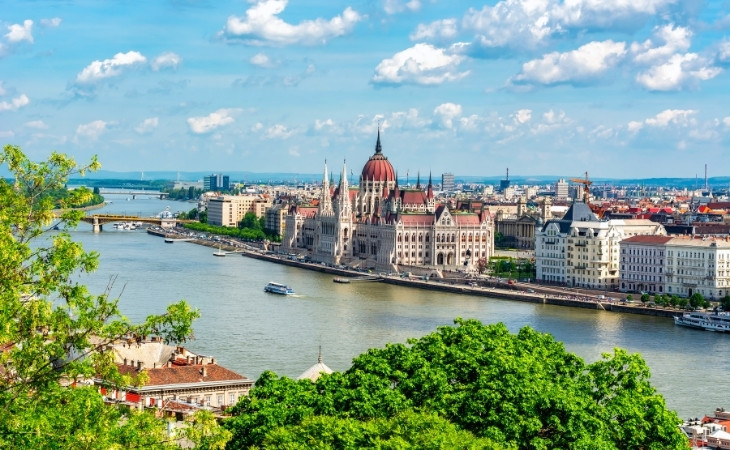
{"points": [[380, 225]]}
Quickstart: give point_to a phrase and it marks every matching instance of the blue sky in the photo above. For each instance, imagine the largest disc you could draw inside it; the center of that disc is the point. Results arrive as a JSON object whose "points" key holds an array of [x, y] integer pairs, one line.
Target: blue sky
{"points": [[624, 88]]}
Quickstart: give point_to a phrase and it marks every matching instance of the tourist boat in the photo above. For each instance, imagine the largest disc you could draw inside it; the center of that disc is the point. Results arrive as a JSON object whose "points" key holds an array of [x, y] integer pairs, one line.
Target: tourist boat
{"points": [[705, 321], [219, 252], [341, 280], [277, 288]]}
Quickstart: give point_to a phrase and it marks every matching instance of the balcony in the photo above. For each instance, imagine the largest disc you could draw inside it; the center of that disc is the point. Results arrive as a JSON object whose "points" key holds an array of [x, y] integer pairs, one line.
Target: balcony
{"points": [[581, 266], [581, 244]]}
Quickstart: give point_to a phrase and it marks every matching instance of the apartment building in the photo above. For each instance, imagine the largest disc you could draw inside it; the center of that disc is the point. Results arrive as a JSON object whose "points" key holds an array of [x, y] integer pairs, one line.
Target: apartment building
{"points": [[228, 210]]}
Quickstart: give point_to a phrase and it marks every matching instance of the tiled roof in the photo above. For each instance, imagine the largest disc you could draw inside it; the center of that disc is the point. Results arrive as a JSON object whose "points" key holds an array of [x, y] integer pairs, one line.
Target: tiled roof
{"points": [[467, 219], [647, 239], [184, 374], [417, 219]]}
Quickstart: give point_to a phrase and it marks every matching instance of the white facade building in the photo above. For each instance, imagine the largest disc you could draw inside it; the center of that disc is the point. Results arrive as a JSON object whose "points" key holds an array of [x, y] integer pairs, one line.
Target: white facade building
{"points": [[582, 251]]}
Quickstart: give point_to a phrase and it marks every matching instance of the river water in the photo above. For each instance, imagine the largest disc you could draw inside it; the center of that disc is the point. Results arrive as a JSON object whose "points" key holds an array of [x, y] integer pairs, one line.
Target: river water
{"points": [[250, 331]]}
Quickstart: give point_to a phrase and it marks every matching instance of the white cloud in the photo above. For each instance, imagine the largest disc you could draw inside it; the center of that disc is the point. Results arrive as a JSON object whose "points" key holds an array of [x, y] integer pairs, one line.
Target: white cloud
{"points": [[20, 33], [294, 151], [262, 60], [91, 130], [36, 124], [675, 39], [529, 24], [421, 64], [2, 89], [668, 117], [147, 125], [322, 124], [206, 124], [51, 23], [589, 61], [262, 25], [15, 104], [726, 121], [445, 114], [398, 6], [723, 52], [7, 134], [113, 67], [668, 68], [278, 131], [522, 116], [167, 60], [678, 72], [438, 30]]}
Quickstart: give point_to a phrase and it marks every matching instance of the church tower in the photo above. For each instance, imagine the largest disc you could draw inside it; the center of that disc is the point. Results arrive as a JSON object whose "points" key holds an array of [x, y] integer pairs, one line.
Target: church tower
{"points": [[344, 218]]}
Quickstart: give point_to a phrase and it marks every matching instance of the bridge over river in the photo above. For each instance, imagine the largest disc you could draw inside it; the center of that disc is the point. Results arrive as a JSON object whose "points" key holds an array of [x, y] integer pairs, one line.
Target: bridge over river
{"points": [[133, 192], [99, 220]]}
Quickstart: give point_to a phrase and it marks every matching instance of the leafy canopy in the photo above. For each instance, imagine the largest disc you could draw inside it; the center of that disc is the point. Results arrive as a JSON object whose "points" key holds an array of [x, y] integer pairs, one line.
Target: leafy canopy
{"points": [[493, 388], [53, 332]]}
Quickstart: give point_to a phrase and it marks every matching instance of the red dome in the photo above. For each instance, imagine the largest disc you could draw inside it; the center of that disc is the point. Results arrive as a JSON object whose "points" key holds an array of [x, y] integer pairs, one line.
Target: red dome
{"points": [[378, 167]]}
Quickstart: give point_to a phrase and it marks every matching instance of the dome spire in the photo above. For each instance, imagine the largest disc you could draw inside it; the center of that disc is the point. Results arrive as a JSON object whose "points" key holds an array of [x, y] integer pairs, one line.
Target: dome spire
{"points": [[378, 147]]}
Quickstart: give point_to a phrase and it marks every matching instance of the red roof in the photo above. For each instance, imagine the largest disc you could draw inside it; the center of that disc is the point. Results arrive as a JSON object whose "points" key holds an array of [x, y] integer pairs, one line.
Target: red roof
{"points": [[192, 373], [648, 239], [467, 219], [413, 197], [417, 219]]}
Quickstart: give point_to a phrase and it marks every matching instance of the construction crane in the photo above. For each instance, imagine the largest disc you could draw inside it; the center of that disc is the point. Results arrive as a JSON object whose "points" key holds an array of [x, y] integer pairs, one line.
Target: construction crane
{"points": [[586, 186]]}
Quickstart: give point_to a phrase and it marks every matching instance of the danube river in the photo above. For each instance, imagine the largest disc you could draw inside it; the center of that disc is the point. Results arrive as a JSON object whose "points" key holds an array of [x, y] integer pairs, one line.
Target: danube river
{"points": [[250, 331]]}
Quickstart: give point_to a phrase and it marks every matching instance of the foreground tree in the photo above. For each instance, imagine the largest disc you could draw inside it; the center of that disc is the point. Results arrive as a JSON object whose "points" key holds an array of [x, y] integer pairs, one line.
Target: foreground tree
{"points": [[510, 391], [54, 333]]}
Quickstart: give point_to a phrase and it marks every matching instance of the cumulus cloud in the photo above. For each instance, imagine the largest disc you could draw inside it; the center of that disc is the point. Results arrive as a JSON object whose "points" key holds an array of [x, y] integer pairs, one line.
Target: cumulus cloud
{"points": [[322, 124], [91, 131], [278, 131], [522, 116], [666, 66], [51, 23], [262, 60], [439, 30], [262, 25], [147, 125], [520, 24], [167, 60], [217, 119], [14, 104], [666, 118], [445, 114], [99, 70], [588, 62], [399, 6], [678, 72], [19, 33], [421, 64]]}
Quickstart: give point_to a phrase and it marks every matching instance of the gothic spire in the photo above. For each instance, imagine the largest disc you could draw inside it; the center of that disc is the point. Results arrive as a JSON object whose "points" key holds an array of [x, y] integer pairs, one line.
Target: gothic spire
{"points": [[378, 147], [418, 180]]}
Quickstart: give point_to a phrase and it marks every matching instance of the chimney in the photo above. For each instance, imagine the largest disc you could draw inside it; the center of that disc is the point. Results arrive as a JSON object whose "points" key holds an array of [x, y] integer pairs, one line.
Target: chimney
{"points": [[169, 363], [125, 361], [212, 360], [204, 371], [154, 365], [140, 365]]}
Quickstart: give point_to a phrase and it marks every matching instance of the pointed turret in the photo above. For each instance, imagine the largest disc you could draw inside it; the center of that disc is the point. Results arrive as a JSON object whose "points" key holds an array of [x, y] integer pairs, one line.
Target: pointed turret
{"points": [[418, 181], [378, 148], [325, 198], [429, 194]]}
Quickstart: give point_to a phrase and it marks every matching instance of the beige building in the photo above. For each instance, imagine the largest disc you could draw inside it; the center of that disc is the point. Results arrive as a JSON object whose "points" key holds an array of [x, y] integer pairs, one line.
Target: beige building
{"points": [[676, 266], [582, 251], [276, 219], [229, 210]]}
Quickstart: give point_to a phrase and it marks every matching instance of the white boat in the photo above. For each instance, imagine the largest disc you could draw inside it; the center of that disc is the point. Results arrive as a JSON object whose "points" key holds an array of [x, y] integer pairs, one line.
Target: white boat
{"points": [[705, 321], [277, 288], [219, 252]]}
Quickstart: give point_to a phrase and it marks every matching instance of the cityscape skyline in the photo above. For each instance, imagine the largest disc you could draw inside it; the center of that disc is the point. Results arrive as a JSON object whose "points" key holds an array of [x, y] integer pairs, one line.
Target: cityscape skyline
{"points": [[618, 90]]}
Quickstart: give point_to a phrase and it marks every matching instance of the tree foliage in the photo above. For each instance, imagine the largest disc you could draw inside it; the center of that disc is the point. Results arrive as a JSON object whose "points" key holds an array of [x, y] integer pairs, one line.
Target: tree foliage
{"points": [[54, 332], [499, 389]]}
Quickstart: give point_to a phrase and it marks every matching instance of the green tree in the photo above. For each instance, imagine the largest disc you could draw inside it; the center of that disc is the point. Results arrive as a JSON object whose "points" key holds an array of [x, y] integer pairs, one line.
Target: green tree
{"points": [[725, 302], [514, 391], [250, 221], [674, 300], [629, 298], [54, 332], [645, 298], [696, 300]]}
